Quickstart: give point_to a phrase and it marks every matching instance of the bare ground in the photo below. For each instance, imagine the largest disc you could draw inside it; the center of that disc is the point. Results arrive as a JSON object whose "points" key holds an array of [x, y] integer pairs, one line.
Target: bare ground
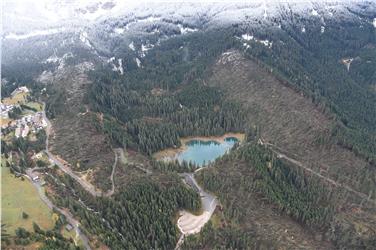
{"points": [[287, 119], [74, 135], [300, 131]]}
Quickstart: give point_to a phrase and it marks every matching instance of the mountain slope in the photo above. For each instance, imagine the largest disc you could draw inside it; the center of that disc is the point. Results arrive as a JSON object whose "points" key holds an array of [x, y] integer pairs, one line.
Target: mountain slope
{"points": [[297, 77]]}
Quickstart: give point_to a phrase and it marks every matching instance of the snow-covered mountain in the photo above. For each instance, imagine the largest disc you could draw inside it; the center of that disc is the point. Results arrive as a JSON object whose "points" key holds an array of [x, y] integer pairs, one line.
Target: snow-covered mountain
{"points": [[31, 17], [41, 30]]}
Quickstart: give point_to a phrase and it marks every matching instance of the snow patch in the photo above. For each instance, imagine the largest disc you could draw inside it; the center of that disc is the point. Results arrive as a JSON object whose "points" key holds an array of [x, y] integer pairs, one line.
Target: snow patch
{"points": [[145, 48], [131, 46], [111, 59], [52, 59], [322, 29], [138, 62], [45, 77], [119, 31], [117, 68], [314, 12], [150, 19], [185, 30], [347, 62], [303, 30], [374, 22], [247, 37], [267, 43], [120, 66], [33, 34], [59, 60], [84, 39]]}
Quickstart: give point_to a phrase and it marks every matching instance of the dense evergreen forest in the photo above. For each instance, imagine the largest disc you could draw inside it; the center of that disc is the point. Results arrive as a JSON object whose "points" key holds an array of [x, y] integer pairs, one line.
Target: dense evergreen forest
{"points": [[140, 216], [167, 98]]}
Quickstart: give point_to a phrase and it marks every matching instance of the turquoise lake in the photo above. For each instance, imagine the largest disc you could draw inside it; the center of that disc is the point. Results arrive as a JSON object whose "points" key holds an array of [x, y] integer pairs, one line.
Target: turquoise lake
{"points": [[203, 152]]}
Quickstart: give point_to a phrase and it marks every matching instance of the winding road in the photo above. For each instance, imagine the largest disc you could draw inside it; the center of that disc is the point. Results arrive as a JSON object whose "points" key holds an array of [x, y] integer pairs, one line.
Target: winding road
{"points": [[87, 186], [189, 223]]}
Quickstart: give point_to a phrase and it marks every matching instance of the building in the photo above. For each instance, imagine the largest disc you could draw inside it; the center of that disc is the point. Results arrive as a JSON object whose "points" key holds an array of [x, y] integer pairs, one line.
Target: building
{"points": [[5, 108], [17, 133], [69, 227], [25, 131]]}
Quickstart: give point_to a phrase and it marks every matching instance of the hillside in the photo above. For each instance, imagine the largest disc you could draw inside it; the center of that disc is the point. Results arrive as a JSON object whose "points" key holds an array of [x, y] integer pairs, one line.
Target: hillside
{"points": [[290, 122], [297, 133], [93, 90]]}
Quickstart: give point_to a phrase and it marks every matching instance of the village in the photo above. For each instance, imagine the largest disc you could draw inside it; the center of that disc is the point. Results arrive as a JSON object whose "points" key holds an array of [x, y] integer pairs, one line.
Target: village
{"points": [[19, 115]]}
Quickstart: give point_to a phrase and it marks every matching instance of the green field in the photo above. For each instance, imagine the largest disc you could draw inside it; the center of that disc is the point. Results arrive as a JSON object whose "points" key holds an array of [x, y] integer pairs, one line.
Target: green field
{"points": [[19, 196]]}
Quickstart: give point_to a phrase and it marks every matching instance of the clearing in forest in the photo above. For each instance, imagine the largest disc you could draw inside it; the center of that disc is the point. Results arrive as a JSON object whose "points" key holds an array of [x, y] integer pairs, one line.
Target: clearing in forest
{"points": [[19, 196]]}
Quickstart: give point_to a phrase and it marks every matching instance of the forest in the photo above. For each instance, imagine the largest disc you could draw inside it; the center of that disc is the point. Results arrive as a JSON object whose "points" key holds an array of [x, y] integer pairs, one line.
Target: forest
{"points": [[140, 216], [150, 108]]}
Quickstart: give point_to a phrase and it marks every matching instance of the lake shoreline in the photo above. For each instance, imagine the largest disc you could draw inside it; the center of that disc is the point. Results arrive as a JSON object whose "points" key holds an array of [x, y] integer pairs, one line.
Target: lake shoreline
{"points": [[169, 154]]}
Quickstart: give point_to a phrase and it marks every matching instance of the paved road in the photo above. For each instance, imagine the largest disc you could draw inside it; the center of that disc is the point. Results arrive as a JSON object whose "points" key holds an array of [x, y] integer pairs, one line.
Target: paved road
{"points": [[67, 214], [189, 223]]}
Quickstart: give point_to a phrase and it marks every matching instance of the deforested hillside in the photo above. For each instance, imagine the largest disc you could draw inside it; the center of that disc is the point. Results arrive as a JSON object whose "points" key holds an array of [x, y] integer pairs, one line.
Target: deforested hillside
{"points": [[191, 125], [290, 122], [75, 136], [291, 164]]}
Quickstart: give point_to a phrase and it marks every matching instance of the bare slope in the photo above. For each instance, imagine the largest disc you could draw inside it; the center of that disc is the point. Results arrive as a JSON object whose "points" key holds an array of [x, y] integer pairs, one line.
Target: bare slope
{"points": [[298, 132], [75, 138], [289, 121]]}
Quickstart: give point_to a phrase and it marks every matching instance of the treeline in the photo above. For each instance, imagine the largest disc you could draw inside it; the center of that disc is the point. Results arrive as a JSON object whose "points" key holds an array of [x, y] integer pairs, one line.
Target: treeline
{"points": [[174, 166], [140, 216]]}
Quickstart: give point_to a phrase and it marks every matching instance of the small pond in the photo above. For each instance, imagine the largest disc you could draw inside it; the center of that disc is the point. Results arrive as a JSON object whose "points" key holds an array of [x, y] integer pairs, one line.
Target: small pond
{"points": [[200, 150]]}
